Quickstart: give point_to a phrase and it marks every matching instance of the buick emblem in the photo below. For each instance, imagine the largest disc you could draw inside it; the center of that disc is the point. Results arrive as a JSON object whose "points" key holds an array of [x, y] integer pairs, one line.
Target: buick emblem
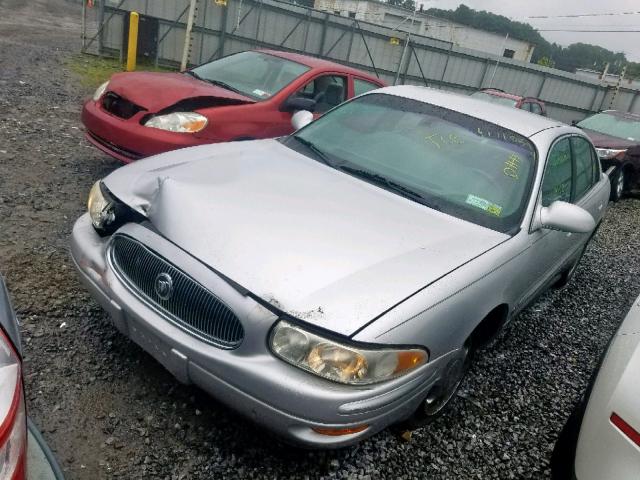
{"points": [[164, 286]]}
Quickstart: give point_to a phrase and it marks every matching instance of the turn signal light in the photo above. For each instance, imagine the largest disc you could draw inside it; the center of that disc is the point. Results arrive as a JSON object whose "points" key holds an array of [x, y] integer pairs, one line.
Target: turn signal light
{"points": [[336, 432], [631, 433]]}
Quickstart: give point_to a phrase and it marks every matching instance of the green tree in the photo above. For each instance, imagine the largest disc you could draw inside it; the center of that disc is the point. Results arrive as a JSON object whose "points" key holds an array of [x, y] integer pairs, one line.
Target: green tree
{"points": [[546, 62], [408, 4]]}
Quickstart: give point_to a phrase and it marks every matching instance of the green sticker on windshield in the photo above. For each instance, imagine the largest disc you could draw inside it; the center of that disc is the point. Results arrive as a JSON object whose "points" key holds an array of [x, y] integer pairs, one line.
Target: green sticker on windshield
{"points": [[486, 205]]}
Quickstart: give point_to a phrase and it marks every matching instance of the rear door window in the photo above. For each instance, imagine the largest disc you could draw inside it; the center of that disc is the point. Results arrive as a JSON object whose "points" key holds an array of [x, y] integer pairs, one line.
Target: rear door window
{"points": [[597, 166], [583, 166]]}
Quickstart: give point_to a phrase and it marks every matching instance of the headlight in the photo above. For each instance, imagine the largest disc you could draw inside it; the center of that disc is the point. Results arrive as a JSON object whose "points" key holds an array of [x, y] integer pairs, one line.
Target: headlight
{"points": [[182, 122], [100, 91], [108, 213], [101, 209], [608, 153], [339, 362]]}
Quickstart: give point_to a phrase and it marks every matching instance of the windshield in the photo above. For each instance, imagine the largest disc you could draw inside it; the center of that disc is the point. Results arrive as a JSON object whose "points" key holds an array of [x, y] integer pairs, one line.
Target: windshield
{"points": [[614, 125], [494, 99], [254, 74], [460, 165]]}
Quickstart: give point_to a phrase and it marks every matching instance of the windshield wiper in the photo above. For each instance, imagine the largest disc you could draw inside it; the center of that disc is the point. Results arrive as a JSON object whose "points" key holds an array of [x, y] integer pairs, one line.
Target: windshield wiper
{"points": [[312, 146], [385, 182], [193, 74], [223, 85]]}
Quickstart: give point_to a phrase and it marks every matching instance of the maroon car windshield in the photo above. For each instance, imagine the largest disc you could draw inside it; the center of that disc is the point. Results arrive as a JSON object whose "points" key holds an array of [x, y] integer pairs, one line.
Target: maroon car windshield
{"points": [[254, 74], [615, 125]]}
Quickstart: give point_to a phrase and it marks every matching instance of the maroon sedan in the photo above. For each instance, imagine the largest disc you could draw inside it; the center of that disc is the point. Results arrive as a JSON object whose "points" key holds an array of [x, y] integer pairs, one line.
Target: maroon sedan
{"points": [[247, 95], [616, 136], [494, 95]]}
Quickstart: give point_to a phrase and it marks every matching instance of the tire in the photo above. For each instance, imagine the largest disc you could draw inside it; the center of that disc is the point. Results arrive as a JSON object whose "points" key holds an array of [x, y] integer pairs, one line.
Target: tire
{"points": [[618, 181], [441, 395]]}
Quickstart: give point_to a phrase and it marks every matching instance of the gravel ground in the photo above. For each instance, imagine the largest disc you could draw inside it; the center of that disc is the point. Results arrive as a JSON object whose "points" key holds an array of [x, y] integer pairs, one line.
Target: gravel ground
{"points": [[110, 411]]}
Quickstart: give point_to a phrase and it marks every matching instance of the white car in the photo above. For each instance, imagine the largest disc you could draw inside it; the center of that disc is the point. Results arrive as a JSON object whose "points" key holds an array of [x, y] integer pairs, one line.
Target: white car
{"points": [[601, 440]]}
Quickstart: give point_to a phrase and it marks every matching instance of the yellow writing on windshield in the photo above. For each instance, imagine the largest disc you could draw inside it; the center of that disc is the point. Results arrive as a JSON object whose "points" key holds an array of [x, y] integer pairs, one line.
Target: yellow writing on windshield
{"points": [[440, 140], [512, 166]]}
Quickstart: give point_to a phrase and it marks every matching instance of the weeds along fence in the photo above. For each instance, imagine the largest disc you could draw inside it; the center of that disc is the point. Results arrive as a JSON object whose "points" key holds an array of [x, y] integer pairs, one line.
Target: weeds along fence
{"points": [[222, 27]]}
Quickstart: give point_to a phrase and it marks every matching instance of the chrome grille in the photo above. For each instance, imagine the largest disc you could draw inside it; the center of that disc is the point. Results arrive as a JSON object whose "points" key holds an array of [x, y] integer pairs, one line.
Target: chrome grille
{"points": [[190, 306]]}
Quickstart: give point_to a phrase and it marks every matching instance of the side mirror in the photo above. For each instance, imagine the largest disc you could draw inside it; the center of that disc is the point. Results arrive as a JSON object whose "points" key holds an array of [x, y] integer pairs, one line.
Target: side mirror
{"points": [[566, 217], [301, 119], [294, 104], [574, 123]]}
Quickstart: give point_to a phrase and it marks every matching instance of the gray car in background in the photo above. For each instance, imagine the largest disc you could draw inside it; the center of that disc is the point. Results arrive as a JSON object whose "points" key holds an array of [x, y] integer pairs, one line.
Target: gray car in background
{"points": [[333, 282]]}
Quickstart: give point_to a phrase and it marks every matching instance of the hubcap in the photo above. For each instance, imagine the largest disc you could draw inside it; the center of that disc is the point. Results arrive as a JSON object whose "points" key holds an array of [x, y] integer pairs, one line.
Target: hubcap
{"points": [[441, 393]]}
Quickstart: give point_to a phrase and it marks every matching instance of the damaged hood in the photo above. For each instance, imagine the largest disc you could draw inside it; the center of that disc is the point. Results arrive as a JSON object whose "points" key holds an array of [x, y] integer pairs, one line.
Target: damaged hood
{"points": [[156, 91], [314, 242]]}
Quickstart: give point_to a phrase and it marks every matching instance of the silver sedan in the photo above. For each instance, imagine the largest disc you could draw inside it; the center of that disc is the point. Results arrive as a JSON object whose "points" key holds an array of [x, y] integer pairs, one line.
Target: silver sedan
{"points": [[333, 282]]}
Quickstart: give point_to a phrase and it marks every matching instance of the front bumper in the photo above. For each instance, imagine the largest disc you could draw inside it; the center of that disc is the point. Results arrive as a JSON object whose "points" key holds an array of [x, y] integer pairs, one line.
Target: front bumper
{"points": [[249, 379], [128, 140]]}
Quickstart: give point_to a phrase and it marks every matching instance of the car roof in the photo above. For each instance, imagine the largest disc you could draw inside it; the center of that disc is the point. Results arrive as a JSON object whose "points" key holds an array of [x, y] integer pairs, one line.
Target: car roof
{"points": [[499, 93], [519, 121], [314, 62]]}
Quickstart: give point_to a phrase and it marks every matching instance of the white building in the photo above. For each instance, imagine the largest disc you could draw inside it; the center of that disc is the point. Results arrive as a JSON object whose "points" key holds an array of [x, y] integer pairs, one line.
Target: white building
{"points": [[391, 16]]}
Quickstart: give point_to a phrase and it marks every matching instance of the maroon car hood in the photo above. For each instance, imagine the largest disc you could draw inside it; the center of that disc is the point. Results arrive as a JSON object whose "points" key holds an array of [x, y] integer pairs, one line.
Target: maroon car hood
{"points": [[156, 91], [602, 140]]}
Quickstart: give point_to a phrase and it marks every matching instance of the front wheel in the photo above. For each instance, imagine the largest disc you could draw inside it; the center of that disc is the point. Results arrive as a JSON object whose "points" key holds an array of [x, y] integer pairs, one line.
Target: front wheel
{"points": [[617, 185], [443, 391]]}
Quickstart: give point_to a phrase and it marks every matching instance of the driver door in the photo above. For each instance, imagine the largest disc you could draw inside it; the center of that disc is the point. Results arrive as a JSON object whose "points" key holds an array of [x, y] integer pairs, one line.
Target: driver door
{"points": [[327, 91], [548, 249]]}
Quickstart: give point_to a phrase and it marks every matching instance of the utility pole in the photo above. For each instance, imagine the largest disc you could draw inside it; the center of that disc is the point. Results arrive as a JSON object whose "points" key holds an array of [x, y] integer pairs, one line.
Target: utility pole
{"points": [[186, 51], [406, 42], [495, 69]]}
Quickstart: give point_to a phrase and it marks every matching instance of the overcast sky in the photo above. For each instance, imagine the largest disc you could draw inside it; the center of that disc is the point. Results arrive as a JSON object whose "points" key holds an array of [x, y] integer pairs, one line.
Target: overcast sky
{"points": [[629, 43]]}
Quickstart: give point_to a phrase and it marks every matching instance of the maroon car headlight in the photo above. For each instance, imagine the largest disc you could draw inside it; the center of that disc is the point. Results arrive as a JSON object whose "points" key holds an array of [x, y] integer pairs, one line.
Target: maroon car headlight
{"points": [[342, 362], [609, 153], [100, 91], [180, 122]]}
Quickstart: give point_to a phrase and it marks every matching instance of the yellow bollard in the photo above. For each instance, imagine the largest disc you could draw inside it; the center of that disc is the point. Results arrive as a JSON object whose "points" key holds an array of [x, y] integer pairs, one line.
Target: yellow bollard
{"points": [[132, 49]]}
